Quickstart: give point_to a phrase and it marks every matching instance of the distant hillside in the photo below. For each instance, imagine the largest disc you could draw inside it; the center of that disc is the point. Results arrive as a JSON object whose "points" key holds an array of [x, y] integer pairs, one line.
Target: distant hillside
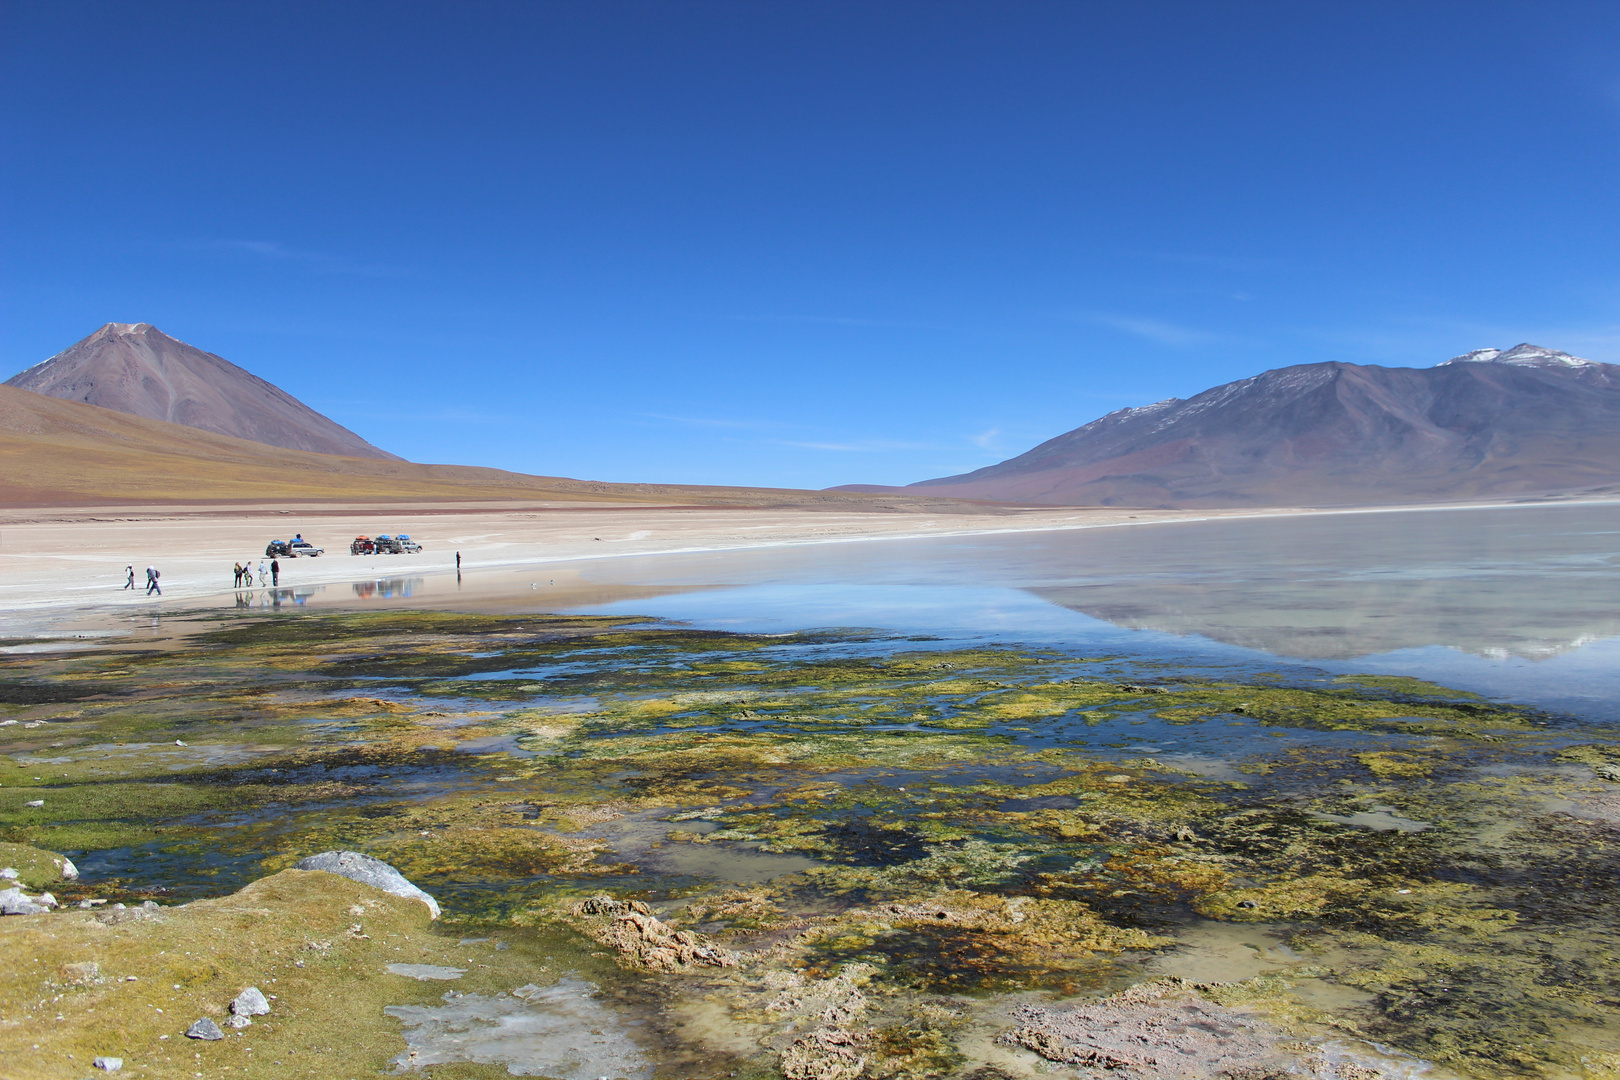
{"points": [[136, 368], [1488, 424], [67, 453]]}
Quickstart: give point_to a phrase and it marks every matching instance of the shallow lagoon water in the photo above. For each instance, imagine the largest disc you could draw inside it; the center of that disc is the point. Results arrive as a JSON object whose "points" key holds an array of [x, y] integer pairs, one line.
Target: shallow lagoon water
{"points": [[1520, 602], [1142, 737]]}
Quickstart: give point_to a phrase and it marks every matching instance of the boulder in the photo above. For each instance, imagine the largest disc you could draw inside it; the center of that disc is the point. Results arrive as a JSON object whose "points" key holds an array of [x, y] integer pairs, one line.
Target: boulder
{"points": [[367, 871], [13, 902]]}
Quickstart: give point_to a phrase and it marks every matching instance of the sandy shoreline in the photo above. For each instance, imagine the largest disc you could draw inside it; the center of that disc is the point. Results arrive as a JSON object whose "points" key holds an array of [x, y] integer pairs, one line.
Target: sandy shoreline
{"points": [[74, 558], [59, 560]]}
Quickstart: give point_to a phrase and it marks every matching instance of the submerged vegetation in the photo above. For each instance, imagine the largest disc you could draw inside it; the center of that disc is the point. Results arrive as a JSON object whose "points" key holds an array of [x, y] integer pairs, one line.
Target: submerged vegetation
{"points": [[833, 856]]}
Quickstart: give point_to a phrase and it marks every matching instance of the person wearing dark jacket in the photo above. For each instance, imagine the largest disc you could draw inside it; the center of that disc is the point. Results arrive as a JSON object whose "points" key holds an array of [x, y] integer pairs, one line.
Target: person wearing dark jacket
{"points": [[152, 576], [275, 572]]}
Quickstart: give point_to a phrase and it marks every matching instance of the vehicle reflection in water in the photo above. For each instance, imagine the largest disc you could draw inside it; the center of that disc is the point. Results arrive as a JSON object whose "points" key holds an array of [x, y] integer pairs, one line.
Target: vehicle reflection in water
{"points": [[387, 588], [275, 598]]}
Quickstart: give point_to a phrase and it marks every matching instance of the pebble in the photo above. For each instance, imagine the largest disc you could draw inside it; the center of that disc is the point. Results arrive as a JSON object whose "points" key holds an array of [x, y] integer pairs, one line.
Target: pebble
{"points": [[204, 1029], [108, 1064]]}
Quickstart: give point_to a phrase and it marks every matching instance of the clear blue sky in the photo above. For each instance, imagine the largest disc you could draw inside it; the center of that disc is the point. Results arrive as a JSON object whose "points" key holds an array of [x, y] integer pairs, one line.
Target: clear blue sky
{"points": [[802, 243]]}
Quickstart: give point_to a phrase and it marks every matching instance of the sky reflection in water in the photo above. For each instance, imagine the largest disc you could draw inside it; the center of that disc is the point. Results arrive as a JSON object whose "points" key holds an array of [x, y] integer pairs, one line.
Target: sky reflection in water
{"points": [[1517, 602]]}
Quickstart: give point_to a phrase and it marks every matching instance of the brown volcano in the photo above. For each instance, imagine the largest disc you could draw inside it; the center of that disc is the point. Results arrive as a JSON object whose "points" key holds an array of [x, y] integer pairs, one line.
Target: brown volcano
{"points": [[1489, 424], [138, 369]]}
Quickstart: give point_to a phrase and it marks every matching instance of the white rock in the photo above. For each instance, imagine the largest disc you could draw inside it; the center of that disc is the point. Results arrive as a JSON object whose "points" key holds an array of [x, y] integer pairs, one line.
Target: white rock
{"points": [[13, 902], [35, 802], [9, 873], [108, 1064], [367, 871], [250, 1002]]}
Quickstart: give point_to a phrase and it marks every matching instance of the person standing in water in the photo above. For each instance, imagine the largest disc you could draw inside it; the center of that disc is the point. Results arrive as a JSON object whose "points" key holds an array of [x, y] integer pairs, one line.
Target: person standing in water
{"points": [[129, 571], [458, 562], [152, 576]]}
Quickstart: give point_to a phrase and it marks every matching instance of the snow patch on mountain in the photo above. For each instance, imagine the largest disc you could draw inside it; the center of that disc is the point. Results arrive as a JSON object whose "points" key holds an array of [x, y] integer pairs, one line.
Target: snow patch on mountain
{"points": [[1525, 355]]}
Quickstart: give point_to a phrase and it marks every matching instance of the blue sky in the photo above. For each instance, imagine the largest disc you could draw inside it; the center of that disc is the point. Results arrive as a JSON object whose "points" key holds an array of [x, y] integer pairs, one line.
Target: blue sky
{"points": [[802, 244]]}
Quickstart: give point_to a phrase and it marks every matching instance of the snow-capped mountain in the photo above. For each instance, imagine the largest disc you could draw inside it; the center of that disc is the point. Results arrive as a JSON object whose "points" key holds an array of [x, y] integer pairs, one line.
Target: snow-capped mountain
{"points": [[1525, 422]]}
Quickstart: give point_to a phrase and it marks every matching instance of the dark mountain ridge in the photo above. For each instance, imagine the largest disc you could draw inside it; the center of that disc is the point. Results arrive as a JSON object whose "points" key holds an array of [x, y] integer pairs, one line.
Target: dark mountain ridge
{"points": [[138, 369], [1525, 422]]}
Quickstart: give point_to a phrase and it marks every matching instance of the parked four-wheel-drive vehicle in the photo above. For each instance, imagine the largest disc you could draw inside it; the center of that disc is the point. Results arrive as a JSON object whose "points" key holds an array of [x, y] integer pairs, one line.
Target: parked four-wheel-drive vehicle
{"points": [[363, 545], [291, 549], [389, 545], [407, 545]]}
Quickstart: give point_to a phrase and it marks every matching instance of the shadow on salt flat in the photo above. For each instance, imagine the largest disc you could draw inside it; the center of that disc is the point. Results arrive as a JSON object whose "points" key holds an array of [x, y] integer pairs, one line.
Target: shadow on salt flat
{"points": [[560, 1031]]}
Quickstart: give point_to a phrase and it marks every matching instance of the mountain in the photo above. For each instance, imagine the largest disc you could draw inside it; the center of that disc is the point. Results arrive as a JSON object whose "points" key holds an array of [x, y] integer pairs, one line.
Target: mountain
{"points": [[138, 369], [67, 453], [1524, 422]]}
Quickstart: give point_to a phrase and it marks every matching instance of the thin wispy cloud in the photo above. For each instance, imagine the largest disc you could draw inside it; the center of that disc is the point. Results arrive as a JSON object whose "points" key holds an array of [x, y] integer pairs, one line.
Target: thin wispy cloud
{"points": [[451, 415], [985, 440], [1155, 330], [314, 261], [1222, 262], [837, 320], [717, 422], [864, 446]]}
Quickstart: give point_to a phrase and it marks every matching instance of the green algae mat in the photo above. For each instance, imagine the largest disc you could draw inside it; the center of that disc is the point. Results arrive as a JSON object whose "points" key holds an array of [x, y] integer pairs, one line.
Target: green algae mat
{"points": [[817, 856]]}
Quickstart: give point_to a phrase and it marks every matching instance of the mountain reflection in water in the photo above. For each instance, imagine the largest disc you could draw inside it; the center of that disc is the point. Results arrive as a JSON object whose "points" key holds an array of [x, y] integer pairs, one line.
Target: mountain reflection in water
{"points": [[1530, 583]]}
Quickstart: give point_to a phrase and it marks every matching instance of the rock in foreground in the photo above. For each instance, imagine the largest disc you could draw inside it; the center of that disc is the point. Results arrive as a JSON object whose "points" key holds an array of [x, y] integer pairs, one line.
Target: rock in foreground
{"points": [[368, 871]]}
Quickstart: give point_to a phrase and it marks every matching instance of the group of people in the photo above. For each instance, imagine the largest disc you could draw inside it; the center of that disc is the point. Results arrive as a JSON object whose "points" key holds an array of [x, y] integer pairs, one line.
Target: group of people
{"points": [[244, 576], [152, 576], [244, 573]]}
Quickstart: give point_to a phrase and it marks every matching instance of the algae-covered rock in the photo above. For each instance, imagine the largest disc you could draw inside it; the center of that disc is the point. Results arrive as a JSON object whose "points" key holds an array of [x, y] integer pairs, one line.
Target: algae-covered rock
{"points": [[642, 939], [35, 867], [368, 871], [1154, 1031]]}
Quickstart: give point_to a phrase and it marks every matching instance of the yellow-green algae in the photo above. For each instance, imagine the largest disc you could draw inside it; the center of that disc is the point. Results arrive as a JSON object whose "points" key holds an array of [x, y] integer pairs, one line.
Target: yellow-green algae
{"points": [[1421, 848]]}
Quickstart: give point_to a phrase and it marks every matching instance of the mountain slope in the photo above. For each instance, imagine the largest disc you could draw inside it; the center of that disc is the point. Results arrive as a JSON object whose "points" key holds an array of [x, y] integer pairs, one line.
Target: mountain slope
{"points": [[136, 368], [1524, 422], [67, 453]]}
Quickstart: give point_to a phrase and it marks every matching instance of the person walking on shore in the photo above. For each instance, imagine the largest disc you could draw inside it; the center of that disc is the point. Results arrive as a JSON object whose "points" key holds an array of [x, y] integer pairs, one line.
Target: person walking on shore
{"points": [[275, 571], [237, 584], [129, 580], [261, 573], [152, 576]]}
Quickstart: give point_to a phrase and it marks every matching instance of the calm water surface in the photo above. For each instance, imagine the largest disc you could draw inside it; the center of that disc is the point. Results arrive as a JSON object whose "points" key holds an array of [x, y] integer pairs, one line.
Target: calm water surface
{"points": [[1515, 602]]}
